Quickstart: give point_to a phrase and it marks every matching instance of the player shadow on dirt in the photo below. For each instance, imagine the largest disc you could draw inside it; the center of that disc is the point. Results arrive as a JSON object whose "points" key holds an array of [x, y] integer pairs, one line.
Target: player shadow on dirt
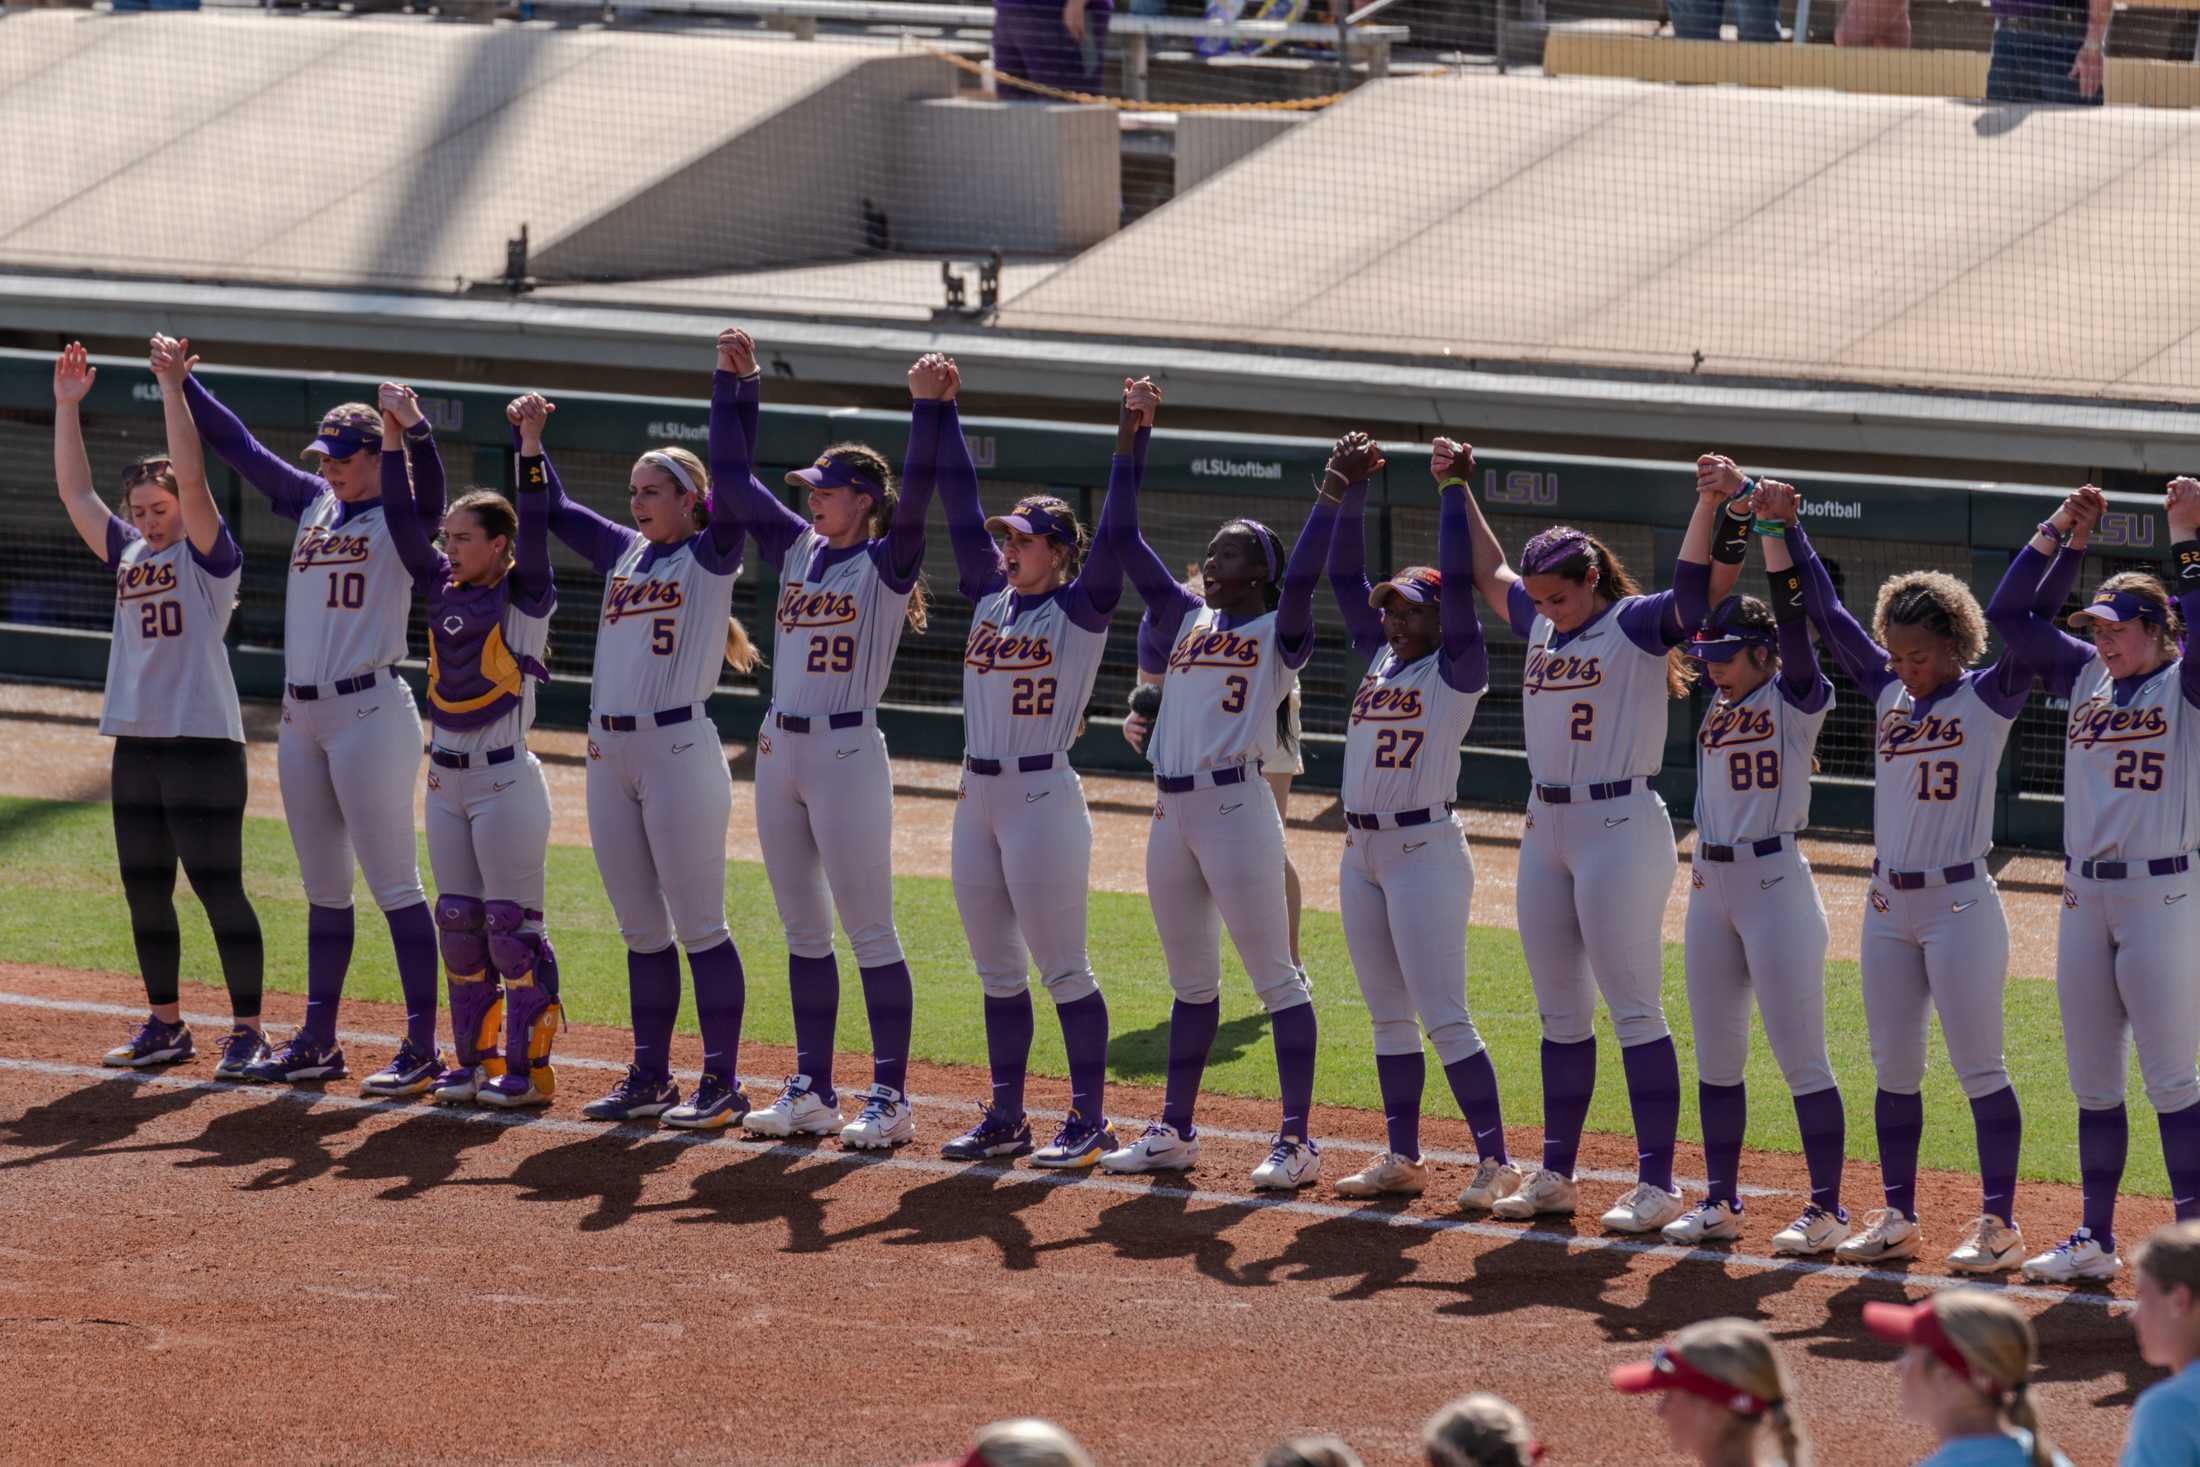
{"points": [[612, 1168], [1160, 1225], [94, 1120], [417, 1155], [758, 1188], [1367, 1260], [287, 1135], [977, 1206], [1143, 1054]]}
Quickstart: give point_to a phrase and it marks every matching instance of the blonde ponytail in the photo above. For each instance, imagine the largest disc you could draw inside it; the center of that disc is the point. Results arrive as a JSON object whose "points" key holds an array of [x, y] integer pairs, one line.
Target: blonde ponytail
{"points": [[1997, 1341], [2020, 1414], [742, 653]]}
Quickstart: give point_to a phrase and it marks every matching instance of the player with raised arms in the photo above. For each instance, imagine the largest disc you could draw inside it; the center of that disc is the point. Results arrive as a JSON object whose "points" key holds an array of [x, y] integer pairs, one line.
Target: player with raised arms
{"points": [[1596, 850], [488, 594], [1214, 852], [347, 753], [170, 705], [1405, 880], [1022, 854], [2131, 818], [1935, 936], [1756, 933], [659, 792], [851, 578]]}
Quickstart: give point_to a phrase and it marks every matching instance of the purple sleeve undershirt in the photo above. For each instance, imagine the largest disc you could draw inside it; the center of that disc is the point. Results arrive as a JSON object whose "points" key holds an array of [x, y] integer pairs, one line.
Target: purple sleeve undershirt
{"points": [[899, 553], [1802, 684], [1692, 592], [1863, 659], [1167, 602], [1153, 646], [1520, 609], [1466, 665], [1655, 622], [224, 559], [2188, 667], [2031, 641], [750, 507], [1301, 573], [1098, 588], [1348, 581], [583, 531], [415, 547], [733, 411], [119, 535], [977, 560], [289, 489]]}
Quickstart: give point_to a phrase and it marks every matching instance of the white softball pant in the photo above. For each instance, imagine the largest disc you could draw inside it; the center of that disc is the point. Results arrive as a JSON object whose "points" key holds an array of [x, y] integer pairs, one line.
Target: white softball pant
{"points": [[1022, 865], [489, 830], [1944, 948], [1756, 932], [348, 765], [1214, 855], [2124, 961], [1404, 896], [659, 800], [825, 820], [1594, 879]]}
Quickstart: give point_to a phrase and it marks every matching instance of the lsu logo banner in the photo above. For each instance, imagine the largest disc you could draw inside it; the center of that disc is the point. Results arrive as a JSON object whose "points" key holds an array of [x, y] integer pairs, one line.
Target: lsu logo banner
{"points": [[989, 651]]}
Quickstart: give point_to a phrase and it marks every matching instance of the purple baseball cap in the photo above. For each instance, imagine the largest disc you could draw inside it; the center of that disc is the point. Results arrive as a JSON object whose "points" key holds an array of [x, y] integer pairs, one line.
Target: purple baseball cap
{"points": [[837, 472], [2119, 606], [1417, 583], [346, 430], [1723, 634], [1032, 517]]}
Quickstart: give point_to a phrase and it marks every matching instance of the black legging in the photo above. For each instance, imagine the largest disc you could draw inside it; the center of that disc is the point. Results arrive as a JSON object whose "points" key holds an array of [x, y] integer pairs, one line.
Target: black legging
{"points": [[184, 799]]}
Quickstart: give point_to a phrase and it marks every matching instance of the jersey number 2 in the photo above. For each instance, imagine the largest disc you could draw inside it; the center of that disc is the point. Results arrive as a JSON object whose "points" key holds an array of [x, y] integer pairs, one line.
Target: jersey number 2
{"points": [[1583, 723], [160, 619]]}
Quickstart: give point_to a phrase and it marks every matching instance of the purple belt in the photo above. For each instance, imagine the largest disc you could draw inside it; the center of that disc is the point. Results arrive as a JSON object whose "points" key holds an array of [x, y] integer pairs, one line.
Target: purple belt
{"points": [[1769, 846], [1566, 794], [1028, 764], [449, 759], [1398, 820], [628, 722], [1178, 784], [343, 687], [1912, 880], [2119, 870]]}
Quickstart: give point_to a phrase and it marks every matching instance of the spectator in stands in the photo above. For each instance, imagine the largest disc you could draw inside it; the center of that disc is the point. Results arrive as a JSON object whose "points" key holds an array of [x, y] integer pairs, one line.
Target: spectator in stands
{"points": [[1480, 1430], [1699, 20], [1883, 23], [2165, 1425], [1311, 1451], [1025, 1443], [2048, 51], [1056, 44]]}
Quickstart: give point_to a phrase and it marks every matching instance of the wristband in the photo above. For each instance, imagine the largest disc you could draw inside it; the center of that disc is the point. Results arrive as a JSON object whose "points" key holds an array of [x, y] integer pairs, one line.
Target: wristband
{"points": [[1454, 482], [1730, 541], [1787, 597], [2184, 556], [1770, 529], [2060, 537]]}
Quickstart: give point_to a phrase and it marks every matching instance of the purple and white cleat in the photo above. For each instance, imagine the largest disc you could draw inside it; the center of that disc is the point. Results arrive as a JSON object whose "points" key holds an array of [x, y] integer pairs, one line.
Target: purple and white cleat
{"points": [[155, 1043]]}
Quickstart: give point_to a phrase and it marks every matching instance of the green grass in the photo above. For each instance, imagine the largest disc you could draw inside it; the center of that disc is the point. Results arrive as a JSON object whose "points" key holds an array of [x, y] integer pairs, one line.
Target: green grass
{"points": [[61, 904]]}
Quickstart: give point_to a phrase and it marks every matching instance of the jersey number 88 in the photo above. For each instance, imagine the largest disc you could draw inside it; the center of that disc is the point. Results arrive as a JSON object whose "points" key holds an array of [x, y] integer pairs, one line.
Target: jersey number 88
{"points": [[1758, 771]]}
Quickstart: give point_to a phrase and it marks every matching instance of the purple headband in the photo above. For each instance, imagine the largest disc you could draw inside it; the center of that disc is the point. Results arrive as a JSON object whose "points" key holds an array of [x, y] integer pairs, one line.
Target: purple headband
{"points": [[1264, 535], [1551, 547]]}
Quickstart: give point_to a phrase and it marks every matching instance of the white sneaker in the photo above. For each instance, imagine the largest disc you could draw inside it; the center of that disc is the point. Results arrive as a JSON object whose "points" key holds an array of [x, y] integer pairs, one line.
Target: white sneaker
{"points": [[1643, 1209], [1887, 1235], [1816, 1231], [1706, 1222], [1291, 1164], [1541, 1192], [797, 1112], [1391, 1174], [1989, 1246], [1493, 1181], [2076, 1257], [1161, 1149], [884, 1123]]}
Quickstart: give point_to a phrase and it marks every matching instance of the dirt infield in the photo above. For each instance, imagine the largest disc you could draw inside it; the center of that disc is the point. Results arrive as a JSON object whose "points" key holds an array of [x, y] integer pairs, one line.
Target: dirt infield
{"points": [[345, 1280]]}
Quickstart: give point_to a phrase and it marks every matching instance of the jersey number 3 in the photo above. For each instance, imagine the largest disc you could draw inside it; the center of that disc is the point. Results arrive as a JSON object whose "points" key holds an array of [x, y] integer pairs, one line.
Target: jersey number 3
{"points": [[1235, 691]]}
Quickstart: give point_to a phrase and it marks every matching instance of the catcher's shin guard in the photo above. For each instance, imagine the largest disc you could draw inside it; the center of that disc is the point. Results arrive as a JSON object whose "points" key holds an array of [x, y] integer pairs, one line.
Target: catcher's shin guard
{"points": [[532, 1014], [477, 1013]]}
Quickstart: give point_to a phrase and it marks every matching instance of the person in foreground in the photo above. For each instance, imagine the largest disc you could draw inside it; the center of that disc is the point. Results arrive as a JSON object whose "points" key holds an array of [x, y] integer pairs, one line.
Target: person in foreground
{"points": [[1966, 1372]]}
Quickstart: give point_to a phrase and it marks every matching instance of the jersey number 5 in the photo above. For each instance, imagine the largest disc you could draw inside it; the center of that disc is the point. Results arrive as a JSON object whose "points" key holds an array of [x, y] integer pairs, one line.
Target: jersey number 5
{"points": [[1032, 697], [2136, 770], [160, 619], [1235, 691], [1396, 748], [661, 633], [832, 654]]}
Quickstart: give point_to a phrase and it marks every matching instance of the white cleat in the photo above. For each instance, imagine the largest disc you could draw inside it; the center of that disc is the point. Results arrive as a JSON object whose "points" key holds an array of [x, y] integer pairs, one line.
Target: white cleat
{"points": [[1643, 1209], [1816, 1231], [1541, 1193], [1161, 1149], [1388, 1175], [1706, 1222], [2076, 1258], [1989, 1246], [1291, 1164], [883, 1123], [797, 1112], [1887, 1236], [1493, 1182]]}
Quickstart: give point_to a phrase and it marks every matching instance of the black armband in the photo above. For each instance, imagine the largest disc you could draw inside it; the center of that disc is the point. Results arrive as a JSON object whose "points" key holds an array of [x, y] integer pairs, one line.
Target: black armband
{"points": [[1730, 542], [1787, 596], [2184, 559], [531, 475]]}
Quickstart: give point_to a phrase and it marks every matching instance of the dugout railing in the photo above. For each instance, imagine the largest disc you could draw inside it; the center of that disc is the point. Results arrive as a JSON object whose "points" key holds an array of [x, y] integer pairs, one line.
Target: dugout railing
{"points": [[56, 603]]}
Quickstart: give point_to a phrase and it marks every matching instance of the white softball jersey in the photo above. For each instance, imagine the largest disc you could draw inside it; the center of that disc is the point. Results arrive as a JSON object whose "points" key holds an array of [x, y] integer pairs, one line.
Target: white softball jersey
{"points": [[1592, 705], [1753, 761], [2130, 787], [167, 670], [661, 637], [1401, 747], [1219, 699], [836, 628], [1028, 672], [344, 609], [1932, 802]]}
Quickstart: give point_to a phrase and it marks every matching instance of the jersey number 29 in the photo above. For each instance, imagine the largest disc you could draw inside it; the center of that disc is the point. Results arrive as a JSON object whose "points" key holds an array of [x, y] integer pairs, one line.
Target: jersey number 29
{"points": [[832, 654]]}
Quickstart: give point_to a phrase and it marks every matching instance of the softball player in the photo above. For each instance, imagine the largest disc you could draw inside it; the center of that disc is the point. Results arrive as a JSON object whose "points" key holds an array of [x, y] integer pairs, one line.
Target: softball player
{"points": [[1756, 930], [1022, 853], [659, 792], [171, 708], [1596, 849], [1935, 937], [348, 750], [1405, 880], [2131, 817], [1231, 656], [850, 580], [488, 594]]}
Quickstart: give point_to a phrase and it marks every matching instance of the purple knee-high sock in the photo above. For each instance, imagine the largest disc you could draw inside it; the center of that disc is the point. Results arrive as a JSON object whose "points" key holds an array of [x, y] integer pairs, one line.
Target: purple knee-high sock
{"points": [[1569, 1081], [328, 958], [412, 933], [721, 995], [1473, 1083], [889, 999], [2000, 1136], [1654, 1095], [2104, 1142], [1725, 1112], [1899, 1121], [653, 1000], [1825, 1129], [1008, 1026], [1400, 1078], [1192, 1029], [1292, 1031], [814, 985], [1085, 1041], [2181, 1155]]}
